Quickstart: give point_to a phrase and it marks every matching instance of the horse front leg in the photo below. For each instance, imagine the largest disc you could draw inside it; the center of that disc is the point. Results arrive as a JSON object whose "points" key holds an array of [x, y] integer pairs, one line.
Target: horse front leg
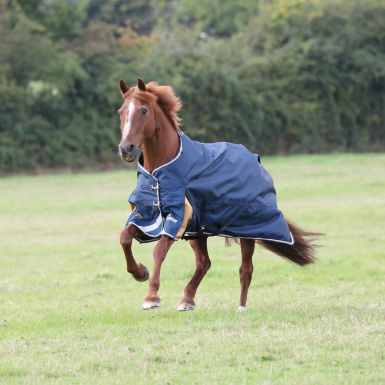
{"points": [[138, 271], [203, 264], [152, 300]]}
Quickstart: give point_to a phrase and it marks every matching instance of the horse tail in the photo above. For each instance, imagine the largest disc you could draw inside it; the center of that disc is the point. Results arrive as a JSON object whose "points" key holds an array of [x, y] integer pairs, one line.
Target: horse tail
{"points": [[302, 252]]}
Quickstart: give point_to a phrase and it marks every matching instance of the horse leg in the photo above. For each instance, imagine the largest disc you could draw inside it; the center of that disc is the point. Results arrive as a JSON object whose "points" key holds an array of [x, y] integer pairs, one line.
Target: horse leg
{"points": [[152, 300], [138, 271], [246, 270], [203, 264]]}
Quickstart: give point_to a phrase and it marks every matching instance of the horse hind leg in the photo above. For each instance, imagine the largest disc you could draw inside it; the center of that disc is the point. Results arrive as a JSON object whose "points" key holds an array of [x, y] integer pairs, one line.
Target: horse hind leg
{"points": [[246, 270], [203, 264]]}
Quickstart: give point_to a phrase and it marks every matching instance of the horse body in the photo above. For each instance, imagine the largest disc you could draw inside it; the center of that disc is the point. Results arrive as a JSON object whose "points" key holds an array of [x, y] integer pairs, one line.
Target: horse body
{"points": [[228, 191]]}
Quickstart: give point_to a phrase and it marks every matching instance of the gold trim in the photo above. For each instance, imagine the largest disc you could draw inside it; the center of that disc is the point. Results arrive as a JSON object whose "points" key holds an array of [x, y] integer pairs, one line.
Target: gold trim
{"points": [[188, 213]]}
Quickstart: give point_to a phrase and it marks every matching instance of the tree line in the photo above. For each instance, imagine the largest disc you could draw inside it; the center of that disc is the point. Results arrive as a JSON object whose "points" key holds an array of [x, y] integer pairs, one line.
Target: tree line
{"points": [[279, 76]]}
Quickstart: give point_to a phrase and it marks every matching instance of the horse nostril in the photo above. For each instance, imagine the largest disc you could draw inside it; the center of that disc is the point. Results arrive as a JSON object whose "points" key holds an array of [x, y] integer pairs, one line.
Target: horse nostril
{"points": [[127, 150]]}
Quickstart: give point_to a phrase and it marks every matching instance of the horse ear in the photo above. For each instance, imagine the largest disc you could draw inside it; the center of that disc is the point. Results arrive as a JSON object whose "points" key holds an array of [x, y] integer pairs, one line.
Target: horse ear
{"points": [[123, 87], [141, 85]]}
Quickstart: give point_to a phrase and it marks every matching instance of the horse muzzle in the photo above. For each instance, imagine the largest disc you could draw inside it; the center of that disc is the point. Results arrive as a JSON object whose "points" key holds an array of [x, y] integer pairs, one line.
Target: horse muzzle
{"points": [[128, 152]]}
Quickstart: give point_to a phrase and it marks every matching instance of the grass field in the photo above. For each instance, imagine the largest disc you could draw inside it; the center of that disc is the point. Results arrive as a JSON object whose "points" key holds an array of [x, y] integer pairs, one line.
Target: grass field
{"points": [[73, 314]]}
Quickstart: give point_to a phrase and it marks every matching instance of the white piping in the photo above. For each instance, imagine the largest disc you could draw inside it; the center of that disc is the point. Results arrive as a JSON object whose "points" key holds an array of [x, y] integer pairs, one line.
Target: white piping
{"points": [[261, 239], [149, 235], [140, 228], [149, 173], [180, 151], [164, 233], [144, 168], [154, 226]]}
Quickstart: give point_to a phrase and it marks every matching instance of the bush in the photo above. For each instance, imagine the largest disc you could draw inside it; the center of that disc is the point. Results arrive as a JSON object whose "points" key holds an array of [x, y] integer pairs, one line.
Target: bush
{"points": [[289, 76]]}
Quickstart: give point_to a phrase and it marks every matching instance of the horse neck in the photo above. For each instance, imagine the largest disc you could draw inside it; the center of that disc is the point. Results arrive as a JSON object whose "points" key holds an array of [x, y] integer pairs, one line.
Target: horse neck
{"points": [[162, 146]]}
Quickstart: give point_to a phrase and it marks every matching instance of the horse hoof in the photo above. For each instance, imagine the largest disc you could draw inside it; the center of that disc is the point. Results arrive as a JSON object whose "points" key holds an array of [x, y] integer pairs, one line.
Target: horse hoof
{"points": [[186, 305], [152, 303], [241, 309], [145, 275]]}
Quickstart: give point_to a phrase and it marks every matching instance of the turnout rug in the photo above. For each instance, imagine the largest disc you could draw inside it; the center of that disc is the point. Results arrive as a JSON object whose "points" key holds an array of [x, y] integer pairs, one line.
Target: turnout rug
{"points": [[207, 189]]}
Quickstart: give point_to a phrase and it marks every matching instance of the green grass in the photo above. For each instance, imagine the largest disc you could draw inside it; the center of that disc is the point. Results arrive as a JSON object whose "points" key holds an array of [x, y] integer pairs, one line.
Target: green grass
{"points": [[62, 265]]}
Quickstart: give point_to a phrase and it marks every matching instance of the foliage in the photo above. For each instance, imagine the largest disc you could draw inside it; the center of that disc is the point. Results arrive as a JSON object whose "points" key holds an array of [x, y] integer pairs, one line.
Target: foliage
{"points": [[301, 76], [280, 76], [62, 265], [59, 86]]}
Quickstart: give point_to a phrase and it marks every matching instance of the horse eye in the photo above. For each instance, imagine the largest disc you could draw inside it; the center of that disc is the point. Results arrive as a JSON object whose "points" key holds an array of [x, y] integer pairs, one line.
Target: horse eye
{"points": [[144, 111]]}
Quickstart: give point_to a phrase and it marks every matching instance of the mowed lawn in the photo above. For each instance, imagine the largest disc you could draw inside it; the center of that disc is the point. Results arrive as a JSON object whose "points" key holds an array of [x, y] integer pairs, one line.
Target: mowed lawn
{"points": [[73, 314]]}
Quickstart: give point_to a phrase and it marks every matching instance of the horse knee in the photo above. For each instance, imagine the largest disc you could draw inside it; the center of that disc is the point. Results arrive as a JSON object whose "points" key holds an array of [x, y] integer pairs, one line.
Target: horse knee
{"points": [[126, 238]]}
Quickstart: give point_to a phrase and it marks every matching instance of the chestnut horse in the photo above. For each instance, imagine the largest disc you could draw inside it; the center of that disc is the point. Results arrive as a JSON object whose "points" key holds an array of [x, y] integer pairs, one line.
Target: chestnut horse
{"points": [[149, 120]]}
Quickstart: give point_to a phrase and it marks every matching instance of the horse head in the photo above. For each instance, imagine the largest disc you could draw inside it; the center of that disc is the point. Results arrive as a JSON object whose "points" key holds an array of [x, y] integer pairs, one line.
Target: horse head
{"points": [[137, 119]]}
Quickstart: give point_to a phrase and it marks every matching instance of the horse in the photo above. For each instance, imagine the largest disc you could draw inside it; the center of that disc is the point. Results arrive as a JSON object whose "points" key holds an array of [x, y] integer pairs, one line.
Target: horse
{"points": [[172, 200]]}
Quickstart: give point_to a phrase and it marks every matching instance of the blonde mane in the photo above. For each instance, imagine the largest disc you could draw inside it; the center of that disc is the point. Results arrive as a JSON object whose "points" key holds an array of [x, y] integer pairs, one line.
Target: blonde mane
{"points": [[164, 96]]}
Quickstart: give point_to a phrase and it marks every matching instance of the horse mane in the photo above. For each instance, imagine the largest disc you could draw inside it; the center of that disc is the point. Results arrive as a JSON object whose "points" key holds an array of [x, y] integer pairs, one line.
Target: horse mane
{"points": [[164, 96]]}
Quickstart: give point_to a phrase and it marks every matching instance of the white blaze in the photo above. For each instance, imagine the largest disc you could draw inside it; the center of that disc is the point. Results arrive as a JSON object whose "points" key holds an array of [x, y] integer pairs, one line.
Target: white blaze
{"points": [[127, 125]]}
